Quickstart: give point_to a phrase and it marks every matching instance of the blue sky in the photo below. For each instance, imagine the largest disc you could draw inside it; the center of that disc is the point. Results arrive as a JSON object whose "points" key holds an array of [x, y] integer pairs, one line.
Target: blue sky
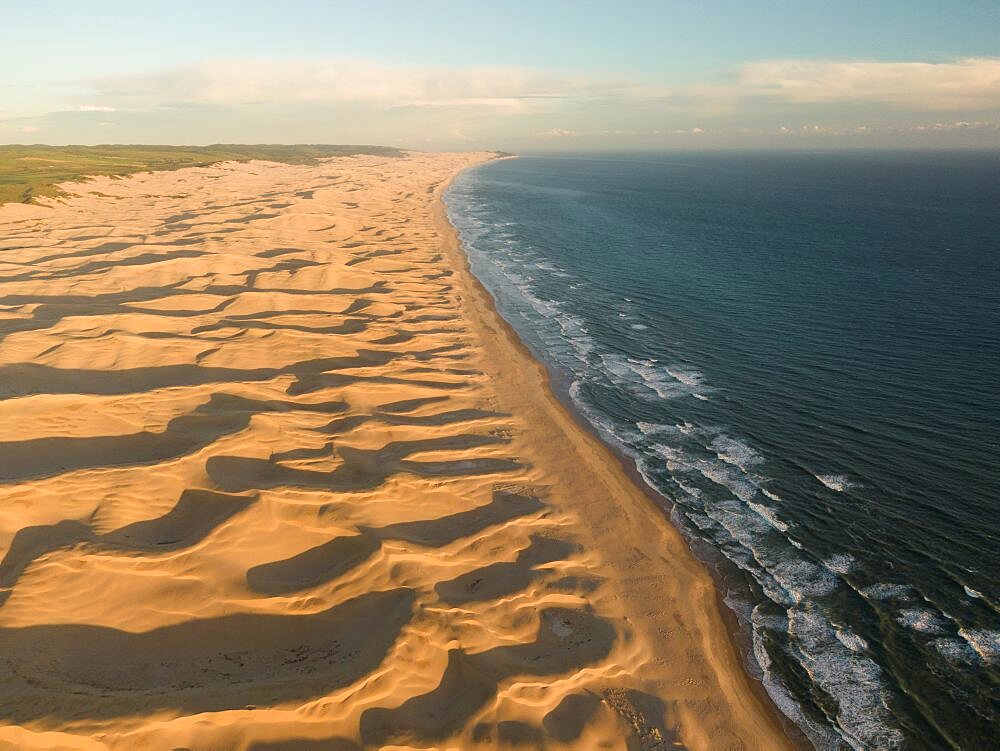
{"points": [[521, 75]]}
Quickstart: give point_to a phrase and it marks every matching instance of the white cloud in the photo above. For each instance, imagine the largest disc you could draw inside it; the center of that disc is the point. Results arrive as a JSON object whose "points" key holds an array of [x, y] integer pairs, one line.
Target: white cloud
{"points": [[972, 83], [346, 100], [860, 129], [963, 125], [230, 82], [557, 133], [30, 129]]}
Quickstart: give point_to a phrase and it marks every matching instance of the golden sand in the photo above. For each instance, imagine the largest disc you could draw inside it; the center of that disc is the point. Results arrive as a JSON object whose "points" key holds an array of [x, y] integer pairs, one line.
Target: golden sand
{"points": [[275, 475]]}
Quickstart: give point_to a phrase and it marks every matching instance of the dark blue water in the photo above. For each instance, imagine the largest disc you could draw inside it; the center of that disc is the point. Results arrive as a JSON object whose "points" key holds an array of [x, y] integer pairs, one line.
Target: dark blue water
{"points": [[801, 352]]}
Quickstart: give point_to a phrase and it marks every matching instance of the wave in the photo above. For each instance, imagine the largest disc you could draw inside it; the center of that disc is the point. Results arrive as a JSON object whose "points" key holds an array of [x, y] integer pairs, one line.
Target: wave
{"points": [[888, 591], [851, 640], [750, 534], [921, 619], [770, 516], [840, 483], [687, 376], [715, 480], [840, 563], [985, 642], [733, 451], [822, 736], [854, 680]]}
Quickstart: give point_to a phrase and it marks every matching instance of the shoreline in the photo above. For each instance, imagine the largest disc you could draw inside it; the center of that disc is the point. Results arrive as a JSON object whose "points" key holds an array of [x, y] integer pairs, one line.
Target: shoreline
{"points": [[486, 316], [284, 420], [738, 634]]}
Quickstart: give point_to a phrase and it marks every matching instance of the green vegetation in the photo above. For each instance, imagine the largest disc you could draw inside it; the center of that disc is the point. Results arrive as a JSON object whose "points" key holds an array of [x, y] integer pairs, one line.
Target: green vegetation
{"points": [[30, 171]]}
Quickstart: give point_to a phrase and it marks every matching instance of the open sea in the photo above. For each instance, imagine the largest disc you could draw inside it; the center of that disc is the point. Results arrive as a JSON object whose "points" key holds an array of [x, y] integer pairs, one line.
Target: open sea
{"points": [[801, 354]]}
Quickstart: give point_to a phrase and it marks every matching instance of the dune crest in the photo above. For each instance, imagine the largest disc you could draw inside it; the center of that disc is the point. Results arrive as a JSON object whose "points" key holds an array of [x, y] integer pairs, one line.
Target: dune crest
{"points": [[274, 475]]}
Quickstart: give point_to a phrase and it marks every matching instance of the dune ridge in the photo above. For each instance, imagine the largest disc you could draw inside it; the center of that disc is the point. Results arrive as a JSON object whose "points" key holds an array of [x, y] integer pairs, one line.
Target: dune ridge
{"points": [[275, 475]]}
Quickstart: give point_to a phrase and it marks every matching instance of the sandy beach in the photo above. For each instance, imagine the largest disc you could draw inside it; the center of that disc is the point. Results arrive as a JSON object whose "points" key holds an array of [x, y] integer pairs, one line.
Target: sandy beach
{"points": [[275, 475]]}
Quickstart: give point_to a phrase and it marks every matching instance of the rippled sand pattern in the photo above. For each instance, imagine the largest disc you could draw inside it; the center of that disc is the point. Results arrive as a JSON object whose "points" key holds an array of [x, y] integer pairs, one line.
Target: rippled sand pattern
{"points": [[257, 489]]}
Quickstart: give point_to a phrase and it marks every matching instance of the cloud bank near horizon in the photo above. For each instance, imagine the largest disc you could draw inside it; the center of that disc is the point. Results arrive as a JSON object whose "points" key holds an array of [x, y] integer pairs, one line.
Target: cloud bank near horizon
{"points": [[464, 106], [970, 83]]}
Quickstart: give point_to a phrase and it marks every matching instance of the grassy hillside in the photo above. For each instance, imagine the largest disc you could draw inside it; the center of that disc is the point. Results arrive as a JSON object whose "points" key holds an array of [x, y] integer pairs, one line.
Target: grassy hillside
{"points": [[30, 171]]}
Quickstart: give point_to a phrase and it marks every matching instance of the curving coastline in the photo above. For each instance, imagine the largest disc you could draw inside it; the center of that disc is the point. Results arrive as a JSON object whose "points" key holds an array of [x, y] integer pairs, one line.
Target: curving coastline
{"points": [[224, 388], [530, 385]]}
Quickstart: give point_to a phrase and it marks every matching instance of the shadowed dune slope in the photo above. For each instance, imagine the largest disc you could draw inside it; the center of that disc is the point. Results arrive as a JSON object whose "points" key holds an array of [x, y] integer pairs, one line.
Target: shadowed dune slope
{"points": [[274, 476]]}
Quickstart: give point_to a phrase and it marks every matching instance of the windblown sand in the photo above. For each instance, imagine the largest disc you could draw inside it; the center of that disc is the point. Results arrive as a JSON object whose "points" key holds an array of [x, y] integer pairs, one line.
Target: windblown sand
{"points": [[274, 475]]}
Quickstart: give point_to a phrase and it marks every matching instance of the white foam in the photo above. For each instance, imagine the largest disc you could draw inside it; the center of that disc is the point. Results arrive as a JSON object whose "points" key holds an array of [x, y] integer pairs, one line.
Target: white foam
{"points": [[924, 620], [840, 483], [840, 563], [728, 477], [887, 591], [803, 579], [735, 452], [691, 491], [851, 640], [769, 515], [984, 641], [701, 521], [854, 680], [972, 593], [821, 736], [655, 428], [663, 381], [575, 393], [769, 494], [686, 376], [702, 397], [768, 622], [639, 326], [642, 374], [574, 340], [737, 535], [955, 650]]}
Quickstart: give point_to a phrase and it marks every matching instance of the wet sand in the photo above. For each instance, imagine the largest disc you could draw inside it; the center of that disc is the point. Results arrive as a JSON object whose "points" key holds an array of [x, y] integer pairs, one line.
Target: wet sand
{"points": [[275, 475]]}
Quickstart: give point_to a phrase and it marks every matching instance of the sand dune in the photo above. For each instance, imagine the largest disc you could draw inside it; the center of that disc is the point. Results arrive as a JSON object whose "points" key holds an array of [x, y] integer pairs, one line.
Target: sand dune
{"points": [[273, 475]]}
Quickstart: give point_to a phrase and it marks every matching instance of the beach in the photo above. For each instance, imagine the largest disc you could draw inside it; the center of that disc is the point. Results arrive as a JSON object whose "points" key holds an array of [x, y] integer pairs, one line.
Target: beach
{"points": [[274, 474]]}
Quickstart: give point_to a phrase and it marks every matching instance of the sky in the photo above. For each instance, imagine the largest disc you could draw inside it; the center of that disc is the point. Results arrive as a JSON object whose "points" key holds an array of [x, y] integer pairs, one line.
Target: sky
{"points": [[544, 75]]}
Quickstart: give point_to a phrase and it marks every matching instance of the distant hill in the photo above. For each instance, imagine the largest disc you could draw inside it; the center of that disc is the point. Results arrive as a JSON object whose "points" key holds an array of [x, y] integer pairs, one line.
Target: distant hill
{"points": [[27, 172]]}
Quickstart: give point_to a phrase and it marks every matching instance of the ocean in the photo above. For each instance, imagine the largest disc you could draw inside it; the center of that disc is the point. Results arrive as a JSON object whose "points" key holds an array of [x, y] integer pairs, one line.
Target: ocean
{"points": [[800, 352]]}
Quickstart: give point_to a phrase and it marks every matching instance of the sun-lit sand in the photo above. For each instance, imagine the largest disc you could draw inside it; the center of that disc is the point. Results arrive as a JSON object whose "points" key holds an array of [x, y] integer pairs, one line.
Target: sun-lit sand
{"points": [[274, 475]]}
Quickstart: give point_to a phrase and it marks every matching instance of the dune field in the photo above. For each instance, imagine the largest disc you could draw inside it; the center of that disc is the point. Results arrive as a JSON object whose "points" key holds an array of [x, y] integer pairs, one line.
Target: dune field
{"points": [[274, 475]]}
